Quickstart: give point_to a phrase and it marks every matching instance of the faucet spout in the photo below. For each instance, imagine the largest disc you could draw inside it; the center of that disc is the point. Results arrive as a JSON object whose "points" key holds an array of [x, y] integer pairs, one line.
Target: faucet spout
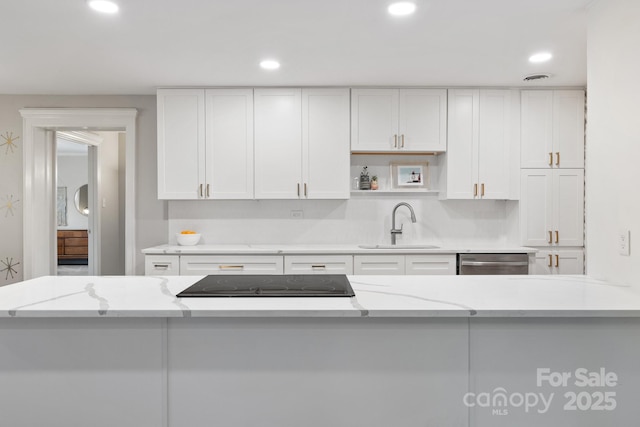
{"points": [[395, 231]]}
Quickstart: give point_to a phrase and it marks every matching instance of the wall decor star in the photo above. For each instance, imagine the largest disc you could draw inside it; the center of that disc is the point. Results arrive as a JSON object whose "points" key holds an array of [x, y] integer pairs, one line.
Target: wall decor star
{"points": [[8, 204], [9, 267], [10, 142]]}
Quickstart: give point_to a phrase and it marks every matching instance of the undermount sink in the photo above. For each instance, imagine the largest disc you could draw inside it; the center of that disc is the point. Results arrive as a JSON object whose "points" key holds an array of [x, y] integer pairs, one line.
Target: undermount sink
{"points": [[398, 247]]}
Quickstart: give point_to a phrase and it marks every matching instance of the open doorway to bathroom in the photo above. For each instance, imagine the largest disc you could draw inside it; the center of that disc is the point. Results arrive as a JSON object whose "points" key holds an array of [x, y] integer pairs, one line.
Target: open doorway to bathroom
{"points": [[89, 217], [72, 206]]}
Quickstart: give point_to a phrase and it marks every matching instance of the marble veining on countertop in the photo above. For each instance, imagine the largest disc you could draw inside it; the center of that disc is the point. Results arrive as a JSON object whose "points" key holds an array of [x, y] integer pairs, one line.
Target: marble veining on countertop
{"points": [[311, 249], [376, 296]]}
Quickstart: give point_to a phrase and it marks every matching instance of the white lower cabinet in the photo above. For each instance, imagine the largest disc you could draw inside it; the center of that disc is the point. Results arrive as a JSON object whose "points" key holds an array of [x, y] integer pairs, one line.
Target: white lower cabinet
{"points": [[560, 261], [378, 264], [196, 265], [430, 264], [318, 264], [404, 264], [162, 265]]}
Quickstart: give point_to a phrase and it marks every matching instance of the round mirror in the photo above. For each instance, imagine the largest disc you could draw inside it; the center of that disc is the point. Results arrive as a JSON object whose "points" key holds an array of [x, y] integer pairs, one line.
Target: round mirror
{"points": [[81, 200]]}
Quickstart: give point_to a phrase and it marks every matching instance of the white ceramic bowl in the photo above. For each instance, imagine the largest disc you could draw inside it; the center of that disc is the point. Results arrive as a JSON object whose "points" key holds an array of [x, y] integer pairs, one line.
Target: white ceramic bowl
{"points": [[187, 239]]}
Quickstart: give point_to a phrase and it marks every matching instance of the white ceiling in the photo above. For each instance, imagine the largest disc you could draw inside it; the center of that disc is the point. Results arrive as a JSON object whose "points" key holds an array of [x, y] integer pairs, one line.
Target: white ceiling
{"points": [[63, 47]]}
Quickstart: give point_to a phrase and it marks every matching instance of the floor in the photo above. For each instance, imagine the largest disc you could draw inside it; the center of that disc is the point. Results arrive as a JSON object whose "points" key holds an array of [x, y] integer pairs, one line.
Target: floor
{"points": [[73, 270]]}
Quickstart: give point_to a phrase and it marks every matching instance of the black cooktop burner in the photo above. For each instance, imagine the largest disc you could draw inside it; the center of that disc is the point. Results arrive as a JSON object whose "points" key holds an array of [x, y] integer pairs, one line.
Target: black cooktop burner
{"points": [[299, 285]]}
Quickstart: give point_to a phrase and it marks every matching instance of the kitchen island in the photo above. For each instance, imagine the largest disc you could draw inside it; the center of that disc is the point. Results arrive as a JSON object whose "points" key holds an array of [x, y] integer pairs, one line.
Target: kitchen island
{"points": [[405, 351]]}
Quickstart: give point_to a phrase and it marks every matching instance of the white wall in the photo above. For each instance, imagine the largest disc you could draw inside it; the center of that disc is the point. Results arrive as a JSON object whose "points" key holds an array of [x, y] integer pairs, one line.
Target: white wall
{"points": [[73, 173], [112, 229], [363, 219], [613, 139]]}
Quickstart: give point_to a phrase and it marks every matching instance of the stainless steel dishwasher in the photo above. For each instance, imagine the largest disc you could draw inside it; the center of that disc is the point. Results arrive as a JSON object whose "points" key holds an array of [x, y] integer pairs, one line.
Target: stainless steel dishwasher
{"points": [[493, 264]]}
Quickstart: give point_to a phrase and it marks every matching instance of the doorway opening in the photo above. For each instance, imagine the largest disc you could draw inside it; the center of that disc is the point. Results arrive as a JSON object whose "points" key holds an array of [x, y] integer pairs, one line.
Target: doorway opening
{"points": [[90, 202]]}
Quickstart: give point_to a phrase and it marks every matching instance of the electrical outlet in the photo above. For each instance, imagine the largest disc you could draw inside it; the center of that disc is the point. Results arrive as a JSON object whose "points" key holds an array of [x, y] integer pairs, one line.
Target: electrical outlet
{"points": [[623, 242], [297, 214]]}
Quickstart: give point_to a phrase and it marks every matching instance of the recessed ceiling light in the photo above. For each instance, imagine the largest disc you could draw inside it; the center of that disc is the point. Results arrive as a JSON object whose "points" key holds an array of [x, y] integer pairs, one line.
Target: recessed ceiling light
{"points": [[104, 6], [540, 57], [533, 77], [402, 8], [270, 64]]}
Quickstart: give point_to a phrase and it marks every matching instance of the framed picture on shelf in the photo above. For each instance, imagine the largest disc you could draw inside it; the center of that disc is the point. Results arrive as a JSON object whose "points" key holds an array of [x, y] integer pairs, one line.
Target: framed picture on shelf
{"points": [[407, 175]]}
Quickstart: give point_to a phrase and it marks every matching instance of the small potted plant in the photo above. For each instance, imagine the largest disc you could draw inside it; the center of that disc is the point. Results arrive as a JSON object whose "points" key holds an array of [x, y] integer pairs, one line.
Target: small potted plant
{"points": [[374, 182]]}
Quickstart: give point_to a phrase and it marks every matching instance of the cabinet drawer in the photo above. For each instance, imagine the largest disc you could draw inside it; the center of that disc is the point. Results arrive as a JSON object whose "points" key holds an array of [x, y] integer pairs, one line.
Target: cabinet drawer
{"points": [[318, 264], [430, 264], [162, 265], [378, 264], [196, 265]]}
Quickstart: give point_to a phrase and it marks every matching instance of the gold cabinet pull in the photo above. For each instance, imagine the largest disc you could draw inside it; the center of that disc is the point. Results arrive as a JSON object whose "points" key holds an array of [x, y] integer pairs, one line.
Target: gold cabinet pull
{"points": [[557, 237], [395, 141], [475, 190], [201, 191], [305, 189], [402, 141], [207, 191], [550, 261], [318, 266], [550, 237], [557, 260], [298, 189], [558, 158], [482, 190], [550, 159], [231, 267]]}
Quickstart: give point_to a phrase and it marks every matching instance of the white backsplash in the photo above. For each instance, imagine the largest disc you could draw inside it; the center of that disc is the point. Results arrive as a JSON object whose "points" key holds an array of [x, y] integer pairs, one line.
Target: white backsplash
{"points": [[365, 219]]}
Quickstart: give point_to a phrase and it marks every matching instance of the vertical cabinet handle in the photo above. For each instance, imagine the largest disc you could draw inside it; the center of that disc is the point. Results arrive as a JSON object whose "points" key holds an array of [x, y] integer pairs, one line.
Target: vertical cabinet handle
{"points": [[550, 159], [475, 190], [305, 189], [550, 261], [557, 260], [557, 237], [207, 191], [201, 191], [558, 158], [395, 141], [402, 145], [482, 190], [298, 189], [550, 237]]}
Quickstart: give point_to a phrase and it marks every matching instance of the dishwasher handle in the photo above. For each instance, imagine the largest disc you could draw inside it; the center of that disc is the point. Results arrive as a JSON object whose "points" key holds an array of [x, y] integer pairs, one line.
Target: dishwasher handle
{"points": [[494, 263]]}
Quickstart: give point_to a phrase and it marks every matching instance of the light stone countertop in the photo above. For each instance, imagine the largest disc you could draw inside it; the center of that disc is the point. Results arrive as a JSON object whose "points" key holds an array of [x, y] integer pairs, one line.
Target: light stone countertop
{"points": [[320, 249], [376, 296]]}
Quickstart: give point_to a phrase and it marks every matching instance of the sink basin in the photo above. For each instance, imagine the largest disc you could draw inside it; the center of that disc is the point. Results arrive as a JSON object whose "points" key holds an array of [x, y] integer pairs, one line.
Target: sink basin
{"points": [[398, 247]]}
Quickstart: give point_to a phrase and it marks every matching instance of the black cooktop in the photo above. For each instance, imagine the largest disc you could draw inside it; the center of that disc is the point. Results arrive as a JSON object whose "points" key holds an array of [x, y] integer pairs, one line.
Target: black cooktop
{"points": [[287, 285]]}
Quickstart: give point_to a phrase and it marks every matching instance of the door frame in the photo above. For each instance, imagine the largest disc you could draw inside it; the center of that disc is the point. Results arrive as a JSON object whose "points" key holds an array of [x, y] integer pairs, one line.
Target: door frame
{"points": [[39, 178]]}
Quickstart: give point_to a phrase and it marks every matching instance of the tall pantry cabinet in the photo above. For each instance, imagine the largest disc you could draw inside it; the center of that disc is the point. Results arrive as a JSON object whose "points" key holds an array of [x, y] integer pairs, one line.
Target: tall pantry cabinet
{"points": [[552, 179]]}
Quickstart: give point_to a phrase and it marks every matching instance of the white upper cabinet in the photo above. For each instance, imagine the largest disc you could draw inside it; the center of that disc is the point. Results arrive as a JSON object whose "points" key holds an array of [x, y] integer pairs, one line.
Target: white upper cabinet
{"points": [[229, 144], [552, 129], [302, 143], [205, 144], [552, 207], [325, 144], [480, 132], [181, 143], [392, 120], [278, 143]]}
